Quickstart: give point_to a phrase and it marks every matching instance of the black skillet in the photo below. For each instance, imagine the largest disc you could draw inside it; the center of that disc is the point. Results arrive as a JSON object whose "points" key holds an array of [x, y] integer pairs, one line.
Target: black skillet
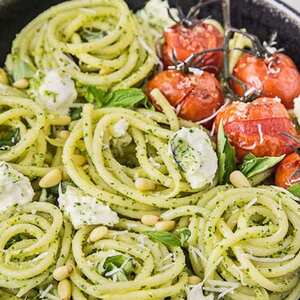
{"points": [[261, 17]]}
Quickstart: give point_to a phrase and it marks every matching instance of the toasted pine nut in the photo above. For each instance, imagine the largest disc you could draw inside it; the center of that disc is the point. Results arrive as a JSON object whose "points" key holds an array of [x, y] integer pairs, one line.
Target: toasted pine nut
{"points": [[144, 184], [62, 272], [63, 134], [51, 179], [64, 290], [165, 225], [238, 179], [3, 76], [60, 120], [21, 83], [194, 280], [78, 159], [149, 220], [98, 233]]}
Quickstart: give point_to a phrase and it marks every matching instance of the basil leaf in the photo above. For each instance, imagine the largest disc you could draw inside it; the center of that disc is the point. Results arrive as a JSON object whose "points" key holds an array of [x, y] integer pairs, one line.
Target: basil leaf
{"points": [[21, 69], [176, 239], [226, 155], [164, 237], [75, 113], [127, 98], [119, 266], [183, 234], [253, 165], [9, 137], [295, 189]]}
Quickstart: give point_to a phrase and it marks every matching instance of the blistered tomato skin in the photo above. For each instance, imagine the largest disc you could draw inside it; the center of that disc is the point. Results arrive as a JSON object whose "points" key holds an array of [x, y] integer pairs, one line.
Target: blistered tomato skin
{"points": [[288, 171], [276, 77], [185, 41], [257, 127], [195, 97]]}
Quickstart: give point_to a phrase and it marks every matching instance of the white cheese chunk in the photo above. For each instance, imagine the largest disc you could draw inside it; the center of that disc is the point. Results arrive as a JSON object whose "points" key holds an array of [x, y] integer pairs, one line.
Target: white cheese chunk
{"points": [[193, 152], [15, 188], [56, 92], [83, 209], [120, 128]]}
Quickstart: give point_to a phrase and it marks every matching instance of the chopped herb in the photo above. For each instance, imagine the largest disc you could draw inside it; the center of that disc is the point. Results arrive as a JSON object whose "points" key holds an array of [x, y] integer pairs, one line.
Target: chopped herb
{"points": [[295, 189], [253, 165], [75, 113], [226, 154], [9, 137], [118, 267], [176, 239], [127, 98]]}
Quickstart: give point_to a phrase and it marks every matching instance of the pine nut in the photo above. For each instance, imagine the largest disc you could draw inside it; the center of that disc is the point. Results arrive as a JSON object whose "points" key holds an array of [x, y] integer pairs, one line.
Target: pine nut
{"points": [[62, 272], [21, 84], [63, 134], [60, 120], [149, 220], [144, 184], [194, 280], [97, 234], [64, 290], [238, 179], [78, 159], [51, 179], [3, 77], [165, 225]]}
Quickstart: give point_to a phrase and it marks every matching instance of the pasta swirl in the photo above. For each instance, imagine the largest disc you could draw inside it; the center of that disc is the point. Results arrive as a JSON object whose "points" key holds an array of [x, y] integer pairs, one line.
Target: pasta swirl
{"points": [[101, 35], [251, 237], [34, 238], [158, 271], [106, 178], [35, 150]]}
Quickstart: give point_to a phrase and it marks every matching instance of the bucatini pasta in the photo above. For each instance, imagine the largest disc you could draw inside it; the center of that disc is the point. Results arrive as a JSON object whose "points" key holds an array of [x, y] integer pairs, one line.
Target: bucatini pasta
{"points": [[106, 195]]}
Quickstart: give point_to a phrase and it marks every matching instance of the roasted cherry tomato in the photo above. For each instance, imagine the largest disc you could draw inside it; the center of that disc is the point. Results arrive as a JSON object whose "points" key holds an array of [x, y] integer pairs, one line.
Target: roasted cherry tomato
{"points": [[276, 76], [194, 96], [258, 127], [288, 171], [183, 41]]}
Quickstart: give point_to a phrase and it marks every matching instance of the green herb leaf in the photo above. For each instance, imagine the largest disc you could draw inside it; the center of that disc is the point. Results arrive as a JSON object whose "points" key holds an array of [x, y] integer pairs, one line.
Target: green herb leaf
{"points": [[75, 113], [127, 98], [295, 189], [226, 155], [22, 69], [164, 237], [9, 137], [253, 165], [176, 239], [183, 234], [118, 266]]}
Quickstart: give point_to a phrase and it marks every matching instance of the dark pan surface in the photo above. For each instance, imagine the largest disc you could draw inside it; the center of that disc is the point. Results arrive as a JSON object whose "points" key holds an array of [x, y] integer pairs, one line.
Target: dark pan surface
{"points": [[261, 17]]}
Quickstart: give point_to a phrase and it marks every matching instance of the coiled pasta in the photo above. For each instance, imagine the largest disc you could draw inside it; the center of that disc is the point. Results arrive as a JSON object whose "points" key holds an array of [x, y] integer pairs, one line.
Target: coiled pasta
{"points": [[34, 146], [34, 239], [250, 237], [96, 42], [157, 272], [109, 179]]}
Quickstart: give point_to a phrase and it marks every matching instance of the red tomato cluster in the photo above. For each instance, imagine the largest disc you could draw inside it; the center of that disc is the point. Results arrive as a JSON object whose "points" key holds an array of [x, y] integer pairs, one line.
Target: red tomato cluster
{"points": [[260, 127], [195, 97], [185, 41], [276, 76], [288, 171], [198, 95], [257, 127]]}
